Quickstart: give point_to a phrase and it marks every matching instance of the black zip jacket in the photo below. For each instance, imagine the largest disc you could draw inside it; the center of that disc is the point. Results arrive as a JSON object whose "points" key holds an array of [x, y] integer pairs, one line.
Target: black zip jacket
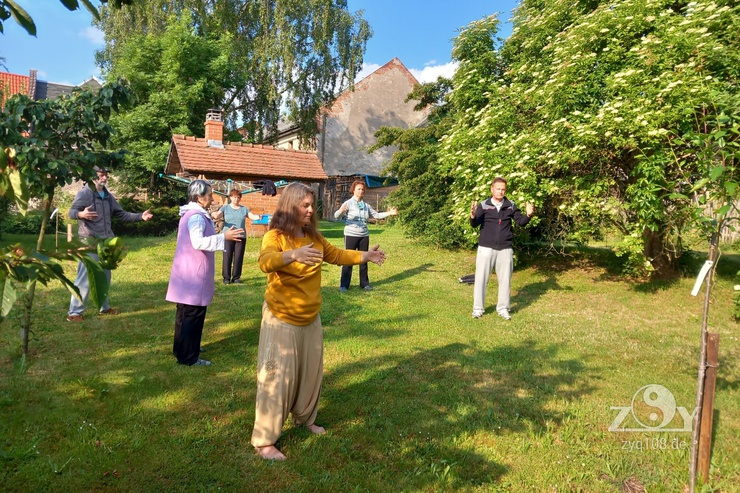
{"points": [[495, 231]]}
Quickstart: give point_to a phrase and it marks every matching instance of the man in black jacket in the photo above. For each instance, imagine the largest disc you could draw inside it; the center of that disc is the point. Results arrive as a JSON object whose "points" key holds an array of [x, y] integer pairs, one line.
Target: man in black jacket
{"points": [[93, 209], [495, 216]]}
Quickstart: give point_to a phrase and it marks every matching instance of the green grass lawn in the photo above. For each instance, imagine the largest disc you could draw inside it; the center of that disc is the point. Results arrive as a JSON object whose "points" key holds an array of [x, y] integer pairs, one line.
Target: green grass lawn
{"points": [[417, 395]]}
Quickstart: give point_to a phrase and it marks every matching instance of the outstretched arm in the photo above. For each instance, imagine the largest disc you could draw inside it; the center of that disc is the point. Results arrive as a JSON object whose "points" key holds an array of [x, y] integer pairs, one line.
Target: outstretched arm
{"points": [[374, 255]]}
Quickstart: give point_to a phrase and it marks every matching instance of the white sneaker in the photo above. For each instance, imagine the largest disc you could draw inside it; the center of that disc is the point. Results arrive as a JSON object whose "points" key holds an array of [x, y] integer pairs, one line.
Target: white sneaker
{"points": [[504, 314], [477, 313]]}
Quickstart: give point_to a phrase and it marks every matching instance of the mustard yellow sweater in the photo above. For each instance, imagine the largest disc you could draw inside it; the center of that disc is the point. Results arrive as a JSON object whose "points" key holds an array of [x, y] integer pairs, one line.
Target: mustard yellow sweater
{"points": [[294, 291]]}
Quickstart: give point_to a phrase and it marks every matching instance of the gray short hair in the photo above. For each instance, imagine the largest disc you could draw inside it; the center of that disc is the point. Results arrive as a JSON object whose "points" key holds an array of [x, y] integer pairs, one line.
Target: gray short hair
{"points": [[198, 188]]}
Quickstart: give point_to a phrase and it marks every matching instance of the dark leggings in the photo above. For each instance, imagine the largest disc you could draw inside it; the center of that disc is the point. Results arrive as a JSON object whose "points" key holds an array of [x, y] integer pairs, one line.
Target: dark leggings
{"points": [[233, 250], [361, 243]]}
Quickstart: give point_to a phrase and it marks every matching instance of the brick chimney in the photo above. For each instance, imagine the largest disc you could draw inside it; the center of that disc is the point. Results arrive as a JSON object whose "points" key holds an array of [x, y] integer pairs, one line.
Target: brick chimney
{"points": [[214, 128], [32, 84]]}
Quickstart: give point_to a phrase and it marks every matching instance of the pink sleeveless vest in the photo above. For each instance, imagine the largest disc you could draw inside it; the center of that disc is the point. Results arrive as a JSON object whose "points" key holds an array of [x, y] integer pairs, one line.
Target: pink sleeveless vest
{"points": [[191, 280]]}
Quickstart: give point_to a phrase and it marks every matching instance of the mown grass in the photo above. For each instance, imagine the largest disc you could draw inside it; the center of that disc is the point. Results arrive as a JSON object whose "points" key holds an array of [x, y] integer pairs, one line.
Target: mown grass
{"points": [[417, 396]]}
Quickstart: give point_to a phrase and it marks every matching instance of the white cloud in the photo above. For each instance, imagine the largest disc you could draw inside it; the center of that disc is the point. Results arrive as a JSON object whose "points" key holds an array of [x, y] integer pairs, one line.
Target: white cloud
{"points": [[94, 35], [431, 72], [367, 69]]}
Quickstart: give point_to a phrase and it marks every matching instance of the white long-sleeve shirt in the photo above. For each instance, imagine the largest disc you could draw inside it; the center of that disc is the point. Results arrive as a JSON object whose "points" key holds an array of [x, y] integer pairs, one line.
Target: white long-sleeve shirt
{"points": [[196, 226]]}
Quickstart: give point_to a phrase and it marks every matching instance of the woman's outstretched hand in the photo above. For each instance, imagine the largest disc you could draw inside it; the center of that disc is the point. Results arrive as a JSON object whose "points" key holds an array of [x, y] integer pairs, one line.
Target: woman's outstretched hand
{"points": [[234, 234], [374, 255], [307, 255]]}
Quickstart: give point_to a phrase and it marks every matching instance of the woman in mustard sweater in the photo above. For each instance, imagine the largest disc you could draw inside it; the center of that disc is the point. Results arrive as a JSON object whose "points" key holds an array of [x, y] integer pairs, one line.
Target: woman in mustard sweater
{"points": [[290, 362]]}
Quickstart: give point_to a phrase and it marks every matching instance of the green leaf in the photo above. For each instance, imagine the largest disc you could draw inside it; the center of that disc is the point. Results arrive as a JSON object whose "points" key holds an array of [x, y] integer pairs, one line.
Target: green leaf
{"points": [[70, 4], [91, 8], [731, 187], [724, 209], [8, 296], [98, 280], [699, 184], [715, 172], [21, 17], [20, 190], [674, 196]]}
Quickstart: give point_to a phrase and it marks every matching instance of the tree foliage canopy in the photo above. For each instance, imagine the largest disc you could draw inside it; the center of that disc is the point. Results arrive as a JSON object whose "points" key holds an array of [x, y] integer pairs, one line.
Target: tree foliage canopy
{"points": [[293, 52], [176, 76], [595, 111]]}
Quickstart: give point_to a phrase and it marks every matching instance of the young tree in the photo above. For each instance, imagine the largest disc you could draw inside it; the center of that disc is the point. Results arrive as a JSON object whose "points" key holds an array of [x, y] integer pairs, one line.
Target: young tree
{"points": [[49, 143]]}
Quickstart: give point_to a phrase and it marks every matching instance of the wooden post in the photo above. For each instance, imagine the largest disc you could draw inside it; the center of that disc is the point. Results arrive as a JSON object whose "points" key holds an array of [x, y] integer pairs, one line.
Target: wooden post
{"points": [[707, 407], [69, 232], [696, 423]]}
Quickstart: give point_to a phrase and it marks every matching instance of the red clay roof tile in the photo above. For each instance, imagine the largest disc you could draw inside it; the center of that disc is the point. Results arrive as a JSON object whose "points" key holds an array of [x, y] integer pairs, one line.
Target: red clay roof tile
{"points": [[11, 84], [196, 157]]}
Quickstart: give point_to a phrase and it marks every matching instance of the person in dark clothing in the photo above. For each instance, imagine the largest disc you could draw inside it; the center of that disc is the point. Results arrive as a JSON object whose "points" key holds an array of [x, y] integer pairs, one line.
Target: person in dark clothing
{"points": [[93, 208], [495, 217], [234, 215]]}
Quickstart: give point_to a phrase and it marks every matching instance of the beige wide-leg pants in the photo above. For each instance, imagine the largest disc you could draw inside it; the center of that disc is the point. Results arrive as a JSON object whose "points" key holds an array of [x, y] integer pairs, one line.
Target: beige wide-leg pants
{"points": [[290, 368]]}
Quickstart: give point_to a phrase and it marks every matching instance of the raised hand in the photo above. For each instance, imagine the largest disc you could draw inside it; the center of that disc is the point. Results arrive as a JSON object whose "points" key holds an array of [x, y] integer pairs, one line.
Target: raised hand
{"points": [[530, 209], [473, 208], [307, 255], [146, 215], [374, 255]]}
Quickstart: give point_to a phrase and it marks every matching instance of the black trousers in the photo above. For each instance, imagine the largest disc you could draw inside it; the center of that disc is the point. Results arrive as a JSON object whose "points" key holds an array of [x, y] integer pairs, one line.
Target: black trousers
{"points": [[233, 251], [189, 321], [361, 243]]}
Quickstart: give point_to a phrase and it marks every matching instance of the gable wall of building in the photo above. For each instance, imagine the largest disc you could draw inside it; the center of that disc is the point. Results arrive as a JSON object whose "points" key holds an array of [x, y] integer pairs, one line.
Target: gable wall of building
{"points": [[349, 126]]}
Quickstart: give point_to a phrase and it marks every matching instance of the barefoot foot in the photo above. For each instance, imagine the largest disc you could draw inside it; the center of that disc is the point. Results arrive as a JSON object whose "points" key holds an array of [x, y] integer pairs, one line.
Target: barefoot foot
{"points": [[270, 452], [318, 430]]}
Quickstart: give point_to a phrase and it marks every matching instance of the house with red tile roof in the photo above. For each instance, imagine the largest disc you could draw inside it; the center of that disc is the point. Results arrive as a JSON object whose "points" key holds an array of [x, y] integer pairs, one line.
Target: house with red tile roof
{"points": [[239, 165], [11, 84], [347, 129]]}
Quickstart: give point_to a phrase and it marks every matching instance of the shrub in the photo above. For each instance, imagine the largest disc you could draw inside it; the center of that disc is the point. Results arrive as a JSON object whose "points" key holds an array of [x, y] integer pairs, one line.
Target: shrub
{"points": [[163, 222], [30, 224]]}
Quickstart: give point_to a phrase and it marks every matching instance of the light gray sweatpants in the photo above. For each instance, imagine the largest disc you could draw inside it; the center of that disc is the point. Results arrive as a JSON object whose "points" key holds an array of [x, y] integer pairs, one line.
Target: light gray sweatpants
{"points": [[486, 260]]}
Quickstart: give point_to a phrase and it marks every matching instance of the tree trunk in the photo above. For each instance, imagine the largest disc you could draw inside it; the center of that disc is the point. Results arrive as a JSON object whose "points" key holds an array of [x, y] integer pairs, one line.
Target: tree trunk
{"points": [[661, 258], [28, 305]]}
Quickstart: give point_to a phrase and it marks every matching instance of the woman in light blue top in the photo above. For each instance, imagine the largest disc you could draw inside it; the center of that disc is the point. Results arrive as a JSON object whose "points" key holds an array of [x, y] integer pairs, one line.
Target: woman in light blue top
{"points": [[356, 234], [234, 215]]}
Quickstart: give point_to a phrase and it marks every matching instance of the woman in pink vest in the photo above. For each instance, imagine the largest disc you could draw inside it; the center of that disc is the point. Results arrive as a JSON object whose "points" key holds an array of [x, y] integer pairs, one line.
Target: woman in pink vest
{"points": [[193, 268]]}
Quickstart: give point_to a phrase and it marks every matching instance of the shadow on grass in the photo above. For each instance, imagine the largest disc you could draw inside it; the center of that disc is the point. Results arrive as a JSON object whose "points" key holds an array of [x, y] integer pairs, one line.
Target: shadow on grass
{"points": [[420, 414], [414, 271]]}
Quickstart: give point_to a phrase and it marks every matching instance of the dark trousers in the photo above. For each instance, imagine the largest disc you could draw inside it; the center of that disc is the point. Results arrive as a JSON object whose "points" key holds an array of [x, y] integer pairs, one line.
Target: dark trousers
{"points": [[189, 321], [361, 243], [233, 251]]}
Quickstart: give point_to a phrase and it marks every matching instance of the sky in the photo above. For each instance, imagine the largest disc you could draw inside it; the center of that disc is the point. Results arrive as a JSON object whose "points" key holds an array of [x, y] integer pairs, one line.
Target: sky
{"points": [[418, 32]]}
